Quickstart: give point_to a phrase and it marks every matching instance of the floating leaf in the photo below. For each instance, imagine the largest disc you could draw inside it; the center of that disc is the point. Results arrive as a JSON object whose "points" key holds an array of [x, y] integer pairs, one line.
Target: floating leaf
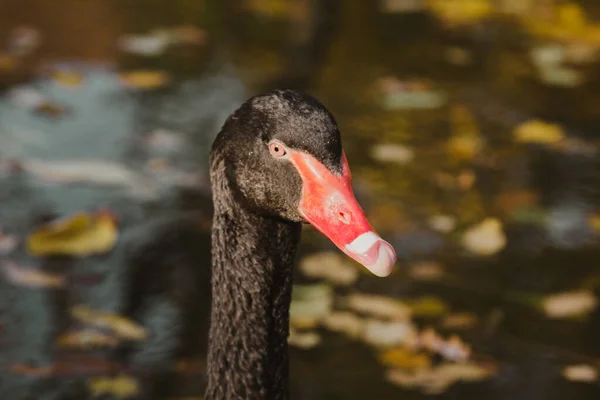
{"points": [[389, 333], [145, 45], [330, 266], [7, 62], [392, 153], [121, 386], [67, 78], [486, 238], [401, 6], [79, 235], [310, 303], [569, 304], [513, 200], [27, 276], [7, 243], [144, 79], [561, 76], [463, 320], [458, 56], [453, 349], [538, 132], [345, 322], [438, 379], [461, 11], [304, 340], [379, 306], [428, 306], [442, 223], [580, 373], [466, 141], [86, 339], [404, 358], [121, 326], [84, 171], [426, 271]]}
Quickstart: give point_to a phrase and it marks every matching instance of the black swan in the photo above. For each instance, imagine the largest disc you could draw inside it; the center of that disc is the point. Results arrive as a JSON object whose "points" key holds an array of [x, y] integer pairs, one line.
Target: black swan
{"points": [[277, 162]]}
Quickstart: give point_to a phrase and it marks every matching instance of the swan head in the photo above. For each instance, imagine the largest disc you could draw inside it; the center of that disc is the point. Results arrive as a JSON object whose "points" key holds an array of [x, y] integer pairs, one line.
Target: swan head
{"points": [[283, 158]]}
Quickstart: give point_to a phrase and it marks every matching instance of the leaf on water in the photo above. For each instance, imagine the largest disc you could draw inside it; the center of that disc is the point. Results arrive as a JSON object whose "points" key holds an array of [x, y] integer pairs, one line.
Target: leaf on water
{"points": [[428, 306], [27, 97], [121, 386], [436, 380], [401, 6], [30, 277], [304, 340], [80, 171], [330, 266], [453, 349], [458, 56], [580, 373], [463, 320], [561, 76], [389, 333], [7, 62], [67, 78], [79, 235], [538, 132], [548, 55], [409, 95], [153, 44], [442, 223], [28, 370], [166, 140], [7, 243], [121, 326], [378, 306], [144, 79], [86, 339], [347, 323], [569, 304], [460, 12], [466, 141], [513, 200], [392, 153], [310, 303], [426, 271], [594, 222], [404, 358], [486, 238]]}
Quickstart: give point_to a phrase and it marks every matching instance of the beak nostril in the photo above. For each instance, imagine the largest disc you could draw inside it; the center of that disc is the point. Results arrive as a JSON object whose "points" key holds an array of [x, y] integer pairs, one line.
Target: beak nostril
{"points": [[345, 218]]}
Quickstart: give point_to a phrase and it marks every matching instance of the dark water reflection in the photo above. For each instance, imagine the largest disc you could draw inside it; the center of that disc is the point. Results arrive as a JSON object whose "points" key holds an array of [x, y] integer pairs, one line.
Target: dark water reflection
{"points": [[336, 51]]}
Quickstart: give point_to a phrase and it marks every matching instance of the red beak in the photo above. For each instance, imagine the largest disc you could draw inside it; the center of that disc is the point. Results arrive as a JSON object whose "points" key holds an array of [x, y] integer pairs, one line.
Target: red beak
{"points": [[328, 203]]}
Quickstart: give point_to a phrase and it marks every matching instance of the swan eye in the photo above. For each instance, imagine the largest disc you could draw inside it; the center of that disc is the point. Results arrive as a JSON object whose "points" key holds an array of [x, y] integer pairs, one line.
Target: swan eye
{"points": [[277, 149]]}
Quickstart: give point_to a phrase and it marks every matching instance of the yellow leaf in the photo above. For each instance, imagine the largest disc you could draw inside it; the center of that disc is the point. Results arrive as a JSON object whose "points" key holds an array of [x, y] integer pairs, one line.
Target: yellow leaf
{"points": [[26, 276], [571, 16], [428, 306], [330, 266], [460, 11], [120, 325], [67, 78], [345, 322], [7, 62], [86, 339], [466, 141], [304, 340], [121, 386], [463, 320], [486, 238], [594, 222], [569, 304], [379, 306], [145, 79], [580, 373], [79, 235], [538, 132], [404, 358]]}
